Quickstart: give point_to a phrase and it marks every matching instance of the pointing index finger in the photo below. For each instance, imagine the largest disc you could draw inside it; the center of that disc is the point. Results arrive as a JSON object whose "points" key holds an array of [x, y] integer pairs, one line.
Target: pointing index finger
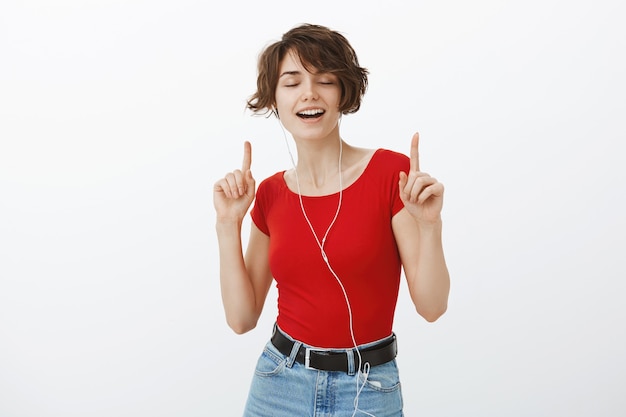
{"points": [[415, 155], [247, 157]]}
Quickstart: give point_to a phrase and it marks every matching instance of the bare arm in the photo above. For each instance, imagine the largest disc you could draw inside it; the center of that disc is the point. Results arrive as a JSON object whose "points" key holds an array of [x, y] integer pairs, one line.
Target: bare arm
{"points": [[421, 252], [418, 229], [244, 282]]}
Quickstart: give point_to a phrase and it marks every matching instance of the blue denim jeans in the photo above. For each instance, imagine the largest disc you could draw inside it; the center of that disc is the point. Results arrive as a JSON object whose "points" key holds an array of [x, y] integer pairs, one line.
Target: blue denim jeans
{"points": [[282, 387]]}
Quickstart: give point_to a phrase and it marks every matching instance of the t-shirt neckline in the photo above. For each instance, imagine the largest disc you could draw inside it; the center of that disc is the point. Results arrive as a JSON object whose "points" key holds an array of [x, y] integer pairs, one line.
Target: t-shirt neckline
{"points": [[346, 188]]}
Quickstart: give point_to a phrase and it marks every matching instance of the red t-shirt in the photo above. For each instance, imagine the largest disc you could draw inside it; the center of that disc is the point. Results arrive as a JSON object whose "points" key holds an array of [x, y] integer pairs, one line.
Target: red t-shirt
{"points": [[360, 247]]}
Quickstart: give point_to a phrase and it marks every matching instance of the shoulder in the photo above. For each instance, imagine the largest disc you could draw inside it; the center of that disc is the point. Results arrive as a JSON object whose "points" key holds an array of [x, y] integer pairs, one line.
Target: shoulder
{"points": [[265, 196], [273, 182], [387, 159]]}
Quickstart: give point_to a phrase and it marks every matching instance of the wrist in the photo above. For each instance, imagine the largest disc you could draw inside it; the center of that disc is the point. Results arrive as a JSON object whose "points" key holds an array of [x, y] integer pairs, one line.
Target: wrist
{"points": [[228, 223], [430, 226]]}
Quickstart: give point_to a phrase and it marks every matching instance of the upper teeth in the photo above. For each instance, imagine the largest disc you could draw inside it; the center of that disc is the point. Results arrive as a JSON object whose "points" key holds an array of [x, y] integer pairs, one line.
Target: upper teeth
{"points": [[311, 112]]}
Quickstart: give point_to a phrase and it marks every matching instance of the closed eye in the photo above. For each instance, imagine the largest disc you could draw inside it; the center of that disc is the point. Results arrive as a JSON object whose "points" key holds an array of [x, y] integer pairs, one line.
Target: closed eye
{"points": [[327, 79]]}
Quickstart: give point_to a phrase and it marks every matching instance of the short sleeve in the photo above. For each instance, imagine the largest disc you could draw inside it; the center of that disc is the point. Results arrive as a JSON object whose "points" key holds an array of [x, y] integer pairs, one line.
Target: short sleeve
{"points": [[259, 210], [400, 163]]}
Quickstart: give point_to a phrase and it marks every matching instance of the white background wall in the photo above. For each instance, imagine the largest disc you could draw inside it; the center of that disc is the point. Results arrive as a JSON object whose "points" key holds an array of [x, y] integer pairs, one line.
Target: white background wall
{"points": [[116, 118]]}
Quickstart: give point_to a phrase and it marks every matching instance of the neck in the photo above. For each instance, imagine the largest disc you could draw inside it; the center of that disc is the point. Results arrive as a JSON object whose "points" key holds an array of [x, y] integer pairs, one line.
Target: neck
{"points": [[320, 165], [319, 162]]}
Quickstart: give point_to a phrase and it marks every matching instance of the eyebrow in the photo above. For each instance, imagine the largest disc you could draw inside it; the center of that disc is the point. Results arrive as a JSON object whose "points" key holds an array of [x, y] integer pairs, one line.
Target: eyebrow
{"points": [[290, 73]]}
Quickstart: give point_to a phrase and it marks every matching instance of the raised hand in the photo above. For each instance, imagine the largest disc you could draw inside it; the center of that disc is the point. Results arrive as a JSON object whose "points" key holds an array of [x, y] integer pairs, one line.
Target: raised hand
{"points": [[421, 194], [233, 194]]}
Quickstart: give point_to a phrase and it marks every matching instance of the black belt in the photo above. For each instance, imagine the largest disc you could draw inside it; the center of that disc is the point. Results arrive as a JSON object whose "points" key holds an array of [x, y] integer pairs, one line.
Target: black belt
{"points": [[322, 360]]}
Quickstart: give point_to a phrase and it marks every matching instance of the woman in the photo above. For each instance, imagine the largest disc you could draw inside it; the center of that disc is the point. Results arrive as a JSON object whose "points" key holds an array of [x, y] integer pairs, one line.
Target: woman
{"points": [[334, 233]]}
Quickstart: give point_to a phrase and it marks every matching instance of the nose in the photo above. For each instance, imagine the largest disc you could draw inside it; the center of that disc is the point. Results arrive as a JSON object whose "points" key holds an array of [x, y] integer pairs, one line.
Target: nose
{"points": [[310, 91]]}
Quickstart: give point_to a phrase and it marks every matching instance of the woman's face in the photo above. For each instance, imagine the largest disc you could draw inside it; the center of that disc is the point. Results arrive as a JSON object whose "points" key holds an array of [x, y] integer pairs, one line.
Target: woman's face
{"points": [[307, 103]]}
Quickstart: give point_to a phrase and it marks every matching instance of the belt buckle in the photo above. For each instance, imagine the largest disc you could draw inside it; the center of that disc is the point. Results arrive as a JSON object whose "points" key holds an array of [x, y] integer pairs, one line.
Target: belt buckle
{"points": [[307, 358]]}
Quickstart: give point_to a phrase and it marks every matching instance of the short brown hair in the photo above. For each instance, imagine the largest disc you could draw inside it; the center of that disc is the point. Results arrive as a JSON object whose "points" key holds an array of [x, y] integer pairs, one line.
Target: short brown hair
{"points": [[319, 47]]}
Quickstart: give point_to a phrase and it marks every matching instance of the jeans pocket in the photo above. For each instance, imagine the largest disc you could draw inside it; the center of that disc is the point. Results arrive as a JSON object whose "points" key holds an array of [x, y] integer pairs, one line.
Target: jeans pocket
{"points": [[382, 378], [271, 362]]}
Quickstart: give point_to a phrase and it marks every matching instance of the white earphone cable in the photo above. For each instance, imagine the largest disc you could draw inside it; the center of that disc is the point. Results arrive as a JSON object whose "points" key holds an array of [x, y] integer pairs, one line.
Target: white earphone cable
{"points": [[366, 366]]}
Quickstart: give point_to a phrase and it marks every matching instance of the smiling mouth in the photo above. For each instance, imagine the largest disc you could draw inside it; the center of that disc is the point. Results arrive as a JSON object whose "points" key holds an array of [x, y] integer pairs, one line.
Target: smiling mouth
{"points": [[311, 114]]}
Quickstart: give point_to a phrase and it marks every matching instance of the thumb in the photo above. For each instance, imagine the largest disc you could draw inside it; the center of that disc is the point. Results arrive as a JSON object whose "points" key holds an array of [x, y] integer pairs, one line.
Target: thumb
{"points": [[403, 180], [250, 182]]}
